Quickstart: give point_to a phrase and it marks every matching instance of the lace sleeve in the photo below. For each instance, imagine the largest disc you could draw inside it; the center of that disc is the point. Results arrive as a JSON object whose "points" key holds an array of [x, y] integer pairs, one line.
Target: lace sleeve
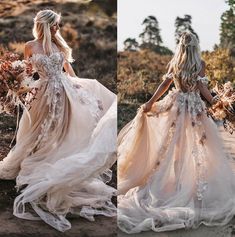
{"points": [[204, 79]]}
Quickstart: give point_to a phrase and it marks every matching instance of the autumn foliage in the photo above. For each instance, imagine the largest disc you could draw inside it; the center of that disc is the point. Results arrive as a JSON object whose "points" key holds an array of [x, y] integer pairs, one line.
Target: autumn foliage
{"points": [[140, 73], [220, 66]]}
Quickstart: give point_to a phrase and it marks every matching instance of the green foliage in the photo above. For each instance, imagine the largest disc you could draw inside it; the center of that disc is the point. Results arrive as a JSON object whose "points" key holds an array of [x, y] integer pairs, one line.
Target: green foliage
{"points": [[183, 24], [150, 37], [231, 3], [151, 32], [227, 35], [162, 50], [130, 44], [156, 48]]}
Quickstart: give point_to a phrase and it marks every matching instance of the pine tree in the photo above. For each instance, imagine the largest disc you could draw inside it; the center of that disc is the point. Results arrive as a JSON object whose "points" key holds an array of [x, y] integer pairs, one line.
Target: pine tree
{"points": [[151, 38], [227, 35], [130, 44], [151, 33], [183, 24]]}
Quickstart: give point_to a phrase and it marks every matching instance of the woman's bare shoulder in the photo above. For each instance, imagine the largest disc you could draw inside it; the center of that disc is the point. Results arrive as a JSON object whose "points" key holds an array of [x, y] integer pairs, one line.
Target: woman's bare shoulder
{"points": [[29, 48], [31, 43]]}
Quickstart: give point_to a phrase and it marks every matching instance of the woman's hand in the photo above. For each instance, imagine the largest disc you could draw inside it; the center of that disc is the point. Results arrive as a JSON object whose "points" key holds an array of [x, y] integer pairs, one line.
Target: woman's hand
{"points": [[163, 87], [147, 107]]}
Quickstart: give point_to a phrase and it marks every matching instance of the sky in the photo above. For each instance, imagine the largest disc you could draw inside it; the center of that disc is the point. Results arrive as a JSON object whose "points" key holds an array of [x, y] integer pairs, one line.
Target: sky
{"points": [[205, 19]]}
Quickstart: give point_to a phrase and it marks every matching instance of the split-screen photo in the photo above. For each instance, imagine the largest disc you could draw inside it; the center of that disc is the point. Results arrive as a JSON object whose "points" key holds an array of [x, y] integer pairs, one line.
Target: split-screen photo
{"points": [[117, 118]]}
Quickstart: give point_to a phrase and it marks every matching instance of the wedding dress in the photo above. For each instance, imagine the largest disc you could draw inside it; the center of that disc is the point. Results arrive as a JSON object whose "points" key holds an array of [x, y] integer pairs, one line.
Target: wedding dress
{"points": [[172, 169], [64, 148]]}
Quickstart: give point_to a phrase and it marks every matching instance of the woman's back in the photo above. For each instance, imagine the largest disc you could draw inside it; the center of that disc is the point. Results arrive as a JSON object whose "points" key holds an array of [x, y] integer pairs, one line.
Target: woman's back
{"points": [[191, 84]]}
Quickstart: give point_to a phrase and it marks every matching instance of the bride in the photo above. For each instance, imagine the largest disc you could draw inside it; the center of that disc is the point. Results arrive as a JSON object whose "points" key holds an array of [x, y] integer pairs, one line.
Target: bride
{"points": [[66, 142], [172, 170]]}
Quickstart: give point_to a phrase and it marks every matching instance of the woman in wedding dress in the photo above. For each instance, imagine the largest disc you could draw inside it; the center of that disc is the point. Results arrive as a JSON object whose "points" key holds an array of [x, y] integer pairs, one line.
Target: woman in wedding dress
{"points": [[172, 170], [66, 142]]}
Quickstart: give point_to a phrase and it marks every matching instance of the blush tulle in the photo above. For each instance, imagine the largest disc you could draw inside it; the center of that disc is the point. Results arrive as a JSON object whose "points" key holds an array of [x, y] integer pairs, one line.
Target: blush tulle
{"points": [[172, 169], [64, 149]]}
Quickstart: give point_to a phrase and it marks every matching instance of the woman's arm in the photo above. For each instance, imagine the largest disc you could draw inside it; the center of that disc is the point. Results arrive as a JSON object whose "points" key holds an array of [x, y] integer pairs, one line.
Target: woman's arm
{"points": [[27, 50], [68, 68], [205, 92], [203, 87], [163, 87]]}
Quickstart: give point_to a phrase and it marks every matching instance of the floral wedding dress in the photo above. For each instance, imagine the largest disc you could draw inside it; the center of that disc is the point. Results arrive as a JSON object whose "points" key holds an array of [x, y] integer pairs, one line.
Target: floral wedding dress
{"points": [[173, 171], [64, 148]]}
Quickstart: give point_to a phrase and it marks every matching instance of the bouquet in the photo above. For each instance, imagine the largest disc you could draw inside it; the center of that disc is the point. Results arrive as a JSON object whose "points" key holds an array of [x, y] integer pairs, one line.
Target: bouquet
{"points": [[17, 87], [224, 108]]}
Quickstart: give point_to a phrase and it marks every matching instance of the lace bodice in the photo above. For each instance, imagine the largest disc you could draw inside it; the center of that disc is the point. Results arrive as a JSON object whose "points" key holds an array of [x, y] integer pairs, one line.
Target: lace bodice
{"points": [[48, 66], [54, 82], [193, 87], [189, 100]]}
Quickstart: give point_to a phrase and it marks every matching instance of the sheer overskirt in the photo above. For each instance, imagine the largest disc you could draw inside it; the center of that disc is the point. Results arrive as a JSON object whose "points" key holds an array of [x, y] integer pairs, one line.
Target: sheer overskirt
{"points": [[173, 171], [64, 150]]}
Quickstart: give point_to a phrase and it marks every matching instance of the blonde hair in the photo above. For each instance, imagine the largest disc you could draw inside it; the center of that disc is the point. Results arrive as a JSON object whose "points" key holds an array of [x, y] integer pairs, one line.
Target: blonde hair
{"points": [[41, 30], [186, 62]]}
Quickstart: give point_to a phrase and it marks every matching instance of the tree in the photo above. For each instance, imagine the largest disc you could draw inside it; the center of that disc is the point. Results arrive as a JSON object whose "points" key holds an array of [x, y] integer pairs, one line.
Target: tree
{"points": [[130, 44], [151, 38], [183, 24], [151, 33], [227, 35]]}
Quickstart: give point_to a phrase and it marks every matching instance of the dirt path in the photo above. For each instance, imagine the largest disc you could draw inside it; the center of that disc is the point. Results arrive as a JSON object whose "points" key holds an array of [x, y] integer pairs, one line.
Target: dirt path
{"points": [[13, 227], [202, 231]]}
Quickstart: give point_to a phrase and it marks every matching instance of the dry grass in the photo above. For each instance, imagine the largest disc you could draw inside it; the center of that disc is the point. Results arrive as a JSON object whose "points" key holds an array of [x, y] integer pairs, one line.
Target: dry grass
{"points": [[140, 73]]}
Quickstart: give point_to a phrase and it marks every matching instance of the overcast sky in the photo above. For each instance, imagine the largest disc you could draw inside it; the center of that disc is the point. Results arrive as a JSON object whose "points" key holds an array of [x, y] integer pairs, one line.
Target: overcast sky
{"points": [[205, 19]]}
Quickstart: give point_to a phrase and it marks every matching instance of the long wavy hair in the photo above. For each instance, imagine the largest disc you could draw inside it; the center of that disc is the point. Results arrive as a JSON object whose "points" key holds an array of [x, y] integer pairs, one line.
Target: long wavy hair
{"points": [[186, 62], [41, 30]]}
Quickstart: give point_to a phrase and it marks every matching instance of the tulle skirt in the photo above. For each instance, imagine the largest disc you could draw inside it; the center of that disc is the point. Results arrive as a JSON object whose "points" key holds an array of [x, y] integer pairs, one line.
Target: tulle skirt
{"points": [[172, 169], [65, 146]]}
